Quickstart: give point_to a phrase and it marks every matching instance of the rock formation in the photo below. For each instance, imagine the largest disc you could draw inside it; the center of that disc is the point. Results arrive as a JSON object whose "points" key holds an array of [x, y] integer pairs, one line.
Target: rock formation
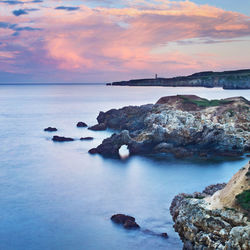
{"points": [[50, 129], [98, 127], [88, 138], [81, 125], [214, 219], [61, 138], [184, 126], [238, 79], [127, 221]]}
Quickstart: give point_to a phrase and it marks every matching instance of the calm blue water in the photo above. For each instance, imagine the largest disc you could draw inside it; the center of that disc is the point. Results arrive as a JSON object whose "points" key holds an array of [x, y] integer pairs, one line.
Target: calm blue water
{"points": [[57, 196]]}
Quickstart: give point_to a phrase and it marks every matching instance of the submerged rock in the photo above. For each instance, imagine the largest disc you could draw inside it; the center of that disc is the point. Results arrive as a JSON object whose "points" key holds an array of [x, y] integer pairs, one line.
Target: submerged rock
{"points": [[81, 125], [149, 232], [50, 129], [127, 221], [61, 138], [164, 235], [184, 126], [89, 138], [213, 219]]}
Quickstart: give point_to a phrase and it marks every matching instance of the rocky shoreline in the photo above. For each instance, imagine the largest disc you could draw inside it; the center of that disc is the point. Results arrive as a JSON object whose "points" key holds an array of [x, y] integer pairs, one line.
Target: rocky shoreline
{"points": [[237, 79], [182, 125], [214, 219]]}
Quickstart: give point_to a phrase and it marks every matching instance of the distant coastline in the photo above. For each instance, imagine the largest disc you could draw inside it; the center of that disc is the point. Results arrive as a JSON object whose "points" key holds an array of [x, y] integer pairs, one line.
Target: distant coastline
{"points": [[68, 83], [237, 79]]}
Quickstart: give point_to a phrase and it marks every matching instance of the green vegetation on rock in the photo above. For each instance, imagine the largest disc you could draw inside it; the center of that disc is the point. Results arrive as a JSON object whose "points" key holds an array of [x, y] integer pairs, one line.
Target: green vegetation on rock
{"points": [[205, 102], [243, 199]]}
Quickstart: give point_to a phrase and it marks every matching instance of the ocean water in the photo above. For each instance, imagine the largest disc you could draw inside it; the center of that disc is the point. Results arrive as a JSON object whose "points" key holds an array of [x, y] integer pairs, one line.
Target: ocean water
{"points": [[56, 196]]}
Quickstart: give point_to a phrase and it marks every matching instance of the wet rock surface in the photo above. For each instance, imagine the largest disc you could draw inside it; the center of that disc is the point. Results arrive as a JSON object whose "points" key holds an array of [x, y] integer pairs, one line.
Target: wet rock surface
{"points": [[149, 232], [88, 138], [93, 151], [127, 221], [184, 126], [50, 129], [98, 127], [81, 125], [57, 138]]}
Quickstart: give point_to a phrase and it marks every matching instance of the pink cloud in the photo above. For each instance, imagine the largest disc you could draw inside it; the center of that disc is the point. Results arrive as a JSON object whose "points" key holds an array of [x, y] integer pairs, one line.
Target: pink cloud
{"points": [[114, 40]]}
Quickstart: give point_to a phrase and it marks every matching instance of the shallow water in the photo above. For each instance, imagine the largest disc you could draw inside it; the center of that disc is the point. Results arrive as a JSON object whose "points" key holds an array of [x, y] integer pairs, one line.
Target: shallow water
{"points": [[57, 196]]}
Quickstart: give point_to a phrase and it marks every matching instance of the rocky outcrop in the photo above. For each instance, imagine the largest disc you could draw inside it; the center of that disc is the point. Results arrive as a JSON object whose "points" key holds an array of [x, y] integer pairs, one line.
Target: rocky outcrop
{"points": [[81, 125], [88, 138], [238, 79], [184, 126], [127, 221], [61, 138], [213, 219], [50, 129], [98, 127]]}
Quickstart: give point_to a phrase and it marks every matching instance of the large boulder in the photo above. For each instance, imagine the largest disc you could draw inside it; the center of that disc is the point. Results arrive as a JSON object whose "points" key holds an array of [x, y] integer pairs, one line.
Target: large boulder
{"points": [[81, 125], [50, 129], [61, 138], [127, 221]]}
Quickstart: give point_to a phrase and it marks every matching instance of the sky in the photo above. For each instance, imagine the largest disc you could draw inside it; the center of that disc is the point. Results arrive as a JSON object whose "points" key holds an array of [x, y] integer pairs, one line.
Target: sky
{"points": [[99, 41]]}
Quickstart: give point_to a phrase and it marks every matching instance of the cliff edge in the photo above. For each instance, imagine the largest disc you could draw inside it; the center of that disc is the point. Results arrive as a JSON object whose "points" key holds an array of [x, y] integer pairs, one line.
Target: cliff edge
{"points": [[217, 218], [237, 79]]}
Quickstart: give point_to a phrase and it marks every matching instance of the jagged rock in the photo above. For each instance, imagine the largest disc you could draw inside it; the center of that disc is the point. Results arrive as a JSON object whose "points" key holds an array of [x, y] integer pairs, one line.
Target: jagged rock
{"points": [[61, 138], [184, 126], [211, 189], [111, 146], [93, 151], [128, 118], [212, 219], [81, 125], [127, 221], [88, 138], [98, 127], [50, 129]]}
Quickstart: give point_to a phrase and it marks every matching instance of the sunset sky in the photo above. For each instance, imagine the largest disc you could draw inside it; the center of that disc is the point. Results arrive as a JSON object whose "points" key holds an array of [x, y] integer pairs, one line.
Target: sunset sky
{"points": [[105, 40]]}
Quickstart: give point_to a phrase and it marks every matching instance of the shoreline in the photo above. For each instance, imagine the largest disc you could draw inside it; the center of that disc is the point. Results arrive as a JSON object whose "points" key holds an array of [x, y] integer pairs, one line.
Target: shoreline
{"points": [[238, 79]]}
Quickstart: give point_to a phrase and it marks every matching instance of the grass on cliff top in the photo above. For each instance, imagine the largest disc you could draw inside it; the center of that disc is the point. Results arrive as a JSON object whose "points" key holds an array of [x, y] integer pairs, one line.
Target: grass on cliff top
{"points": [[243, 199], [204, 102]]}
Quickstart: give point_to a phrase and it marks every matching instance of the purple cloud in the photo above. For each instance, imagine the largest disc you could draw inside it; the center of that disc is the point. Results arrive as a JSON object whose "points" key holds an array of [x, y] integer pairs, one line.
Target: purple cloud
{"points": [[23, 11]]}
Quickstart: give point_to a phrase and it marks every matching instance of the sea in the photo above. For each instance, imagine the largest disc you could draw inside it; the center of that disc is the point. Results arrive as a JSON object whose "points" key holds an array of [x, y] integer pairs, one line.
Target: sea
{"points": [[56, 196]]}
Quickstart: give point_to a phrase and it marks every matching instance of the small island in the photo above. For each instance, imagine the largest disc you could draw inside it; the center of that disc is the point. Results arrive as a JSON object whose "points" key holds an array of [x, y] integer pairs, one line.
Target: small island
{"points": [[237, 79], [184, 126]]}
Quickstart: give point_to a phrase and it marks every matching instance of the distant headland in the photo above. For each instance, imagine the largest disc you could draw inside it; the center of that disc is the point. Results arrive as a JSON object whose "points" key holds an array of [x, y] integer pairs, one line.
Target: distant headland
{"points": [[237, 79]]}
